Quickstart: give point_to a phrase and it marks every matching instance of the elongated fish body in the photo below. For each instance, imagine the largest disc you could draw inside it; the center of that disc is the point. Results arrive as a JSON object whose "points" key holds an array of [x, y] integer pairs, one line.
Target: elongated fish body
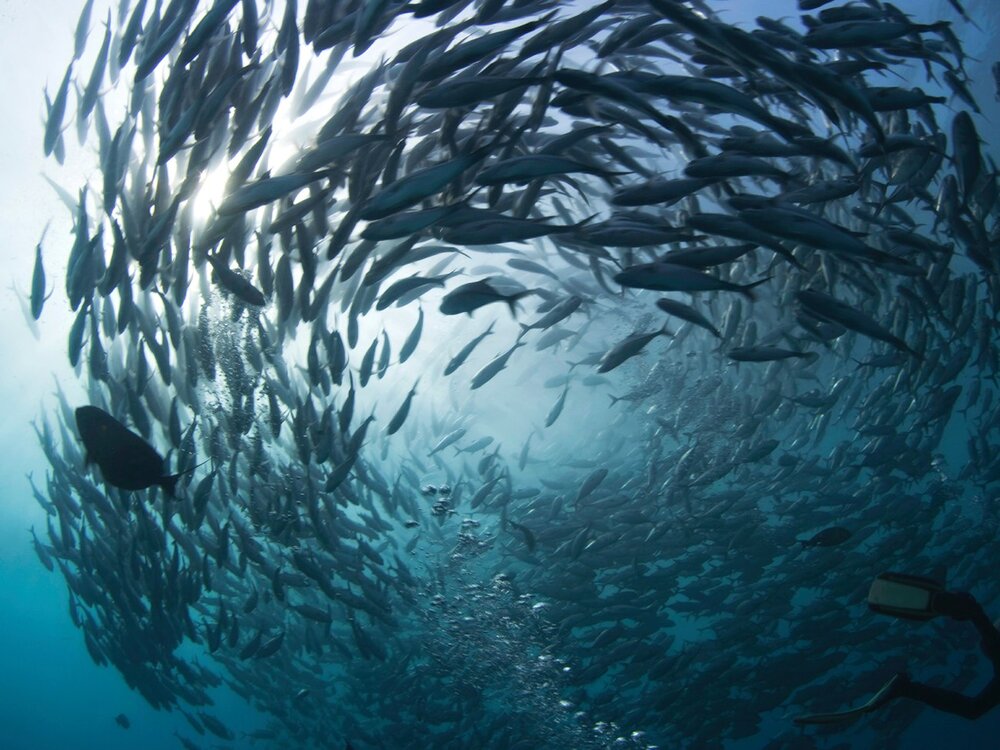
{"points": [[37, 284], [557, 314], [829, 537], [452, 437], [459, 359], [57, 111], [418, 185], [847, 34], [494, 231], [532, 167], [766, 354], [557, 408], [405, 286], [400, 416], [627, 349], [829, 308], [670, 277], [492, 368], [410, 343], [967, 157], [465, 92], [685, 312], [706, 256], [476, 294], [660, 191], [236, 283], [591, 483], [264, 191]]}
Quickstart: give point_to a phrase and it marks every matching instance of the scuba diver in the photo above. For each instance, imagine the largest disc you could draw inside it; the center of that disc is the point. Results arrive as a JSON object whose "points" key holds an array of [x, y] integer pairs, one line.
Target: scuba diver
{"points": [[918, 598]]}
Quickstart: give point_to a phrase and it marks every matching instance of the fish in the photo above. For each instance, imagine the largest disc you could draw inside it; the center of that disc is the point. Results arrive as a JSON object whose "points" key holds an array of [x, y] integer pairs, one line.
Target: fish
{"points": [[475, 294], [236, 284], [685, 312], [400, 416], [476, 446], [56, 114], [406, 286], [828, 308], [89, 96], [529, 537], [660, 191], [492, 368], [452, 437], [672, 277], [524, 169], [628, 348], [557, 407], [591, 483], [860, 33], [413, 339], [38, 296], [828, 537], [126, 460], [766, 354], [264, 191], [471, 90], [420, 184]]}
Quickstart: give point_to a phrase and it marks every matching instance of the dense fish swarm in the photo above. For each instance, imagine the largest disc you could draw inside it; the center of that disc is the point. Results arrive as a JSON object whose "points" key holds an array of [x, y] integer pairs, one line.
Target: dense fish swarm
{"points": [[295, 211]]}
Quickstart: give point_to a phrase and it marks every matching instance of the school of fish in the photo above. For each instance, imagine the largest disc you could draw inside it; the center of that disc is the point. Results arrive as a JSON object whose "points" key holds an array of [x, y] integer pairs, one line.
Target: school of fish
{"points": [[776, 249]]}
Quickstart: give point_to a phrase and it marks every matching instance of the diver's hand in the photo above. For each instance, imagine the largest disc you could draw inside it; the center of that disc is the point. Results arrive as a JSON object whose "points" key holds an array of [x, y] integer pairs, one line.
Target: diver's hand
{"points": [[956, 604]]}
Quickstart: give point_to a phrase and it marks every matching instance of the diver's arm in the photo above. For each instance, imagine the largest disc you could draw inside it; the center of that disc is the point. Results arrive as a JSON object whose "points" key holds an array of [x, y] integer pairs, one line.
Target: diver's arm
{"points": [[963, 606], [990, 636]]}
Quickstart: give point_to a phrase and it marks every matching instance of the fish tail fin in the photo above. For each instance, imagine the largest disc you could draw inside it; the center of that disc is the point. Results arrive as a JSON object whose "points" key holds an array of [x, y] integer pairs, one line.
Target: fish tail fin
{"points": [[513, 299], [169, 484], [615, 399]]}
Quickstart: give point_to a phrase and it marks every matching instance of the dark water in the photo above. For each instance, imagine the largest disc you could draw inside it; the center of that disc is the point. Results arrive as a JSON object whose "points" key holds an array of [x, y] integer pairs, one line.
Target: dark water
{"points": [[668, 605]]}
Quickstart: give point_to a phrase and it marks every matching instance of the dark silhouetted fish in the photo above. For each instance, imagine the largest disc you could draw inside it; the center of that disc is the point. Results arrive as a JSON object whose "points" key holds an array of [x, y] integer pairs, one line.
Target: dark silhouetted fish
{"points": [[829, 537], [126, 460]]}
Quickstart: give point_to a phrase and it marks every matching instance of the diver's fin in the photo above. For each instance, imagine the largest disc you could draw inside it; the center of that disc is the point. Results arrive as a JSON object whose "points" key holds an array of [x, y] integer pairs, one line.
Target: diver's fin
{"points": [[840, 717], [885, 694], [903, 595]]}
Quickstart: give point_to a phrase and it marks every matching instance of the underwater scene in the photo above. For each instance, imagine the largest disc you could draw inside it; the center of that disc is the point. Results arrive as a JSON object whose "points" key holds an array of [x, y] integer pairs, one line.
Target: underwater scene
{"points": [[500, 375]]}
